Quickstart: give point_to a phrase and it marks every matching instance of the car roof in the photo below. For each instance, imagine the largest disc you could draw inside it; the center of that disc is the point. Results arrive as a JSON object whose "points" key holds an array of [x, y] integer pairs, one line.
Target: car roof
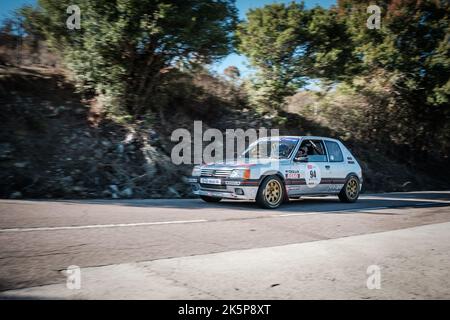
{"points": [[302, 137]]}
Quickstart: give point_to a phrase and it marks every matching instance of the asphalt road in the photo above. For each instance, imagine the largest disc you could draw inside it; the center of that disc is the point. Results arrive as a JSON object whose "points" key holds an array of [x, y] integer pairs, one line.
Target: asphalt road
{"points": [[190, 249]]}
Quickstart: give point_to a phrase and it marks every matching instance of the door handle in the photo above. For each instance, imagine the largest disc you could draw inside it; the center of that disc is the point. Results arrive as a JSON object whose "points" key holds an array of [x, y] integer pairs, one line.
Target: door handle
{"points": [[327, 167]]}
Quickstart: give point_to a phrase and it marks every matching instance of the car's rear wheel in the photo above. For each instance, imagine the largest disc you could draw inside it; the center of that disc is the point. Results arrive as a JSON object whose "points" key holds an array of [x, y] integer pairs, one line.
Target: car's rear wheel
{"points": [[350, 191], [210, 199], [271, 193]]}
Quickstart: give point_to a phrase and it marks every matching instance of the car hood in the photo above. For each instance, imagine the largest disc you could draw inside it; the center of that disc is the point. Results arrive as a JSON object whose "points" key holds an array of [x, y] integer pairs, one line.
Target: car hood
{"points": [[241, 163]]}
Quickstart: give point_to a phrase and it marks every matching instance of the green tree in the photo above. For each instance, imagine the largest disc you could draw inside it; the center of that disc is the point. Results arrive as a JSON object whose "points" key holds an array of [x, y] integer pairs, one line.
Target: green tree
{"points": [[412, 48], [272, 39], [125, 48], [401, 69], [288, 45]]}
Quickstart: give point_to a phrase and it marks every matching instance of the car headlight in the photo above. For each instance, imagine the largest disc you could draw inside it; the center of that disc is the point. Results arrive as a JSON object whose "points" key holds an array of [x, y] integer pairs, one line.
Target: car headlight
{"points": [[240, 174], [196, 172]]}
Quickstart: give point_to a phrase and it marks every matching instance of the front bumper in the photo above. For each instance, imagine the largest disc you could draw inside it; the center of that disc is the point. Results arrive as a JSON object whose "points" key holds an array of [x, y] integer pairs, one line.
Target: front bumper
{"points": [[228, 189]]}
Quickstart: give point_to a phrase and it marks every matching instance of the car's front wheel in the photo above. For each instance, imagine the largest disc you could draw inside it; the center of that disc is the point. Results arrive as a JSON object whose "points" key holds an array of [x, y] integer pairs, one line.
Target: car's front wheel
{"points": [[270, 193], [210, 199], [350, 191]]}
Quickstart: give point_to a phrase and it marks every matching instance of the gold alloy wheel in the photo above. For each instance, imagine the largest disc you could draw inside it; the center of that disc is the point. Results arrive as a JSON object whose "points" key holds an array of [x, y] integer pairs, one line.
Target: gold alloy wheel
{"points": [[272, 192], [352, 188]]}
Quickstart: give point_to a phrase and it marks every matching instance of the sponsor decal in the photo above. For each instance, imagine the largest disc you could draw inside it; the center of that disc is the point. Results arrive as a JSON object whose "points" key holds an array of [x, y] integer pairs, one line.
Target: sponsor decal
{"points": [[292, 174], [335, 187], [233, 183], [312, 175]]}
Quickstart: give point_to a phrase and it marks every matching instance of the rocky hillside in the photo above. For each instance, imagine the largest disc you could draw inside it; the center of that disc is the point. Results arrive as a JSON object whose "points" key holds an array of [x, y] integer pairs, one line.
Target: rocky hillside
{"points": [[55, 144]]}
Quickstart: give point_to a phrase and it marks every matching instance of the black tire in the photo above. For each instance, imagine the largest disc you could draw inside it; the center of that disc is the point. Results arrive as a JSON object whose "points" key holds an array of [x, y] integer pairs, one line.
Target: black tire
{"points": [[276, 196], [210, 199], [350, 191]]}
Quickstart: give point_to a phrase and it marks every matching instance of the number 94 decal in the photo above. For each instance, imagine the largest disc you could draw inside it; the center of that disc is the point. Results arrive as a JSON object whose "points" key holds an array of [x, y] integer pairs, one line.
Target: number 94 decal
{"points": [[312, 175]]}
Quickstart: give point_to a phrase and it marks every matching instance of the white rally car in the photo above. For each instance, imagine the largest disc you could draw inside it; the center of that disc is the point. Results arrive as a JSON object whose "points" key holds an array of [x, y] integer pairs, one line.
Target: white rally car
{"points": [[272, 170]]}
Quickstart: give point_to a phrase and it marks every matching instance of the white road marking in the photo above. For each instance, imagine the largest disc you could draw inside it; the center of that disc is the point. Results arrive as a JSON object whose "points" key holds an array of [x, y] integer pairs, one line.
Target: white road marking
{"points": [[355, 210], [102, 226], [405, 199], [297, 214], [375, 208]]}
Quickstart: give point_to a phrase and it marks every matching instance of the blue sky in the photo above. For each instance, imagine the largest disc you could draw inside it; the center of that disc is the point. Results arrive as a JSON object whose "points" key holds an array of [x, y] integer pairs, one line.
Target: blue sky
{"points": [[6, 6], [243, 6]]}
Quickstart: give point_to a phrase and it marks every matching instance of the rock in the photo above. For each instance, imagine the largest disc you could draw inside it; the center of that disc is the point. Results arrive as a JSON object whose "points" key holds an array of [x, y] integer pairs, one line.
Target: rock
{"points": [[114, 188], [153, 135], [151, 155], [98, 154], [6, 150], [106, 143], [172, 192], [127, 193], [79, 110], [67, 180], [407, 186], [120, 148], [129, 138], [22, 164], [185, 179], [16, 195], [114, 196], [106, 194], [182, 187]]}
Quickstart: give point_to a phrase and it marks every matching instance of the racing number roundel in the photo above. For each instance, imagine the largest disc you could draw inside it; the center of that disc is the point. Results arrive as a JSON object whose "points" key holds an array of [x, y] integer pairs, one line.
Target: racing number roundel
{"points": [[312, 175]]}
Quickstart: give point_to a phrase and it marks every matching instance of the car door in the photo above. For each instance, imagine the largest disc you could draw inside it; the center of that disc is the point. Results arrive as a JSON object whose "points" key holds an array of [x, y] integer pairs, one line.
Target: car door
{"points": [[338, 167], [316, 171]]}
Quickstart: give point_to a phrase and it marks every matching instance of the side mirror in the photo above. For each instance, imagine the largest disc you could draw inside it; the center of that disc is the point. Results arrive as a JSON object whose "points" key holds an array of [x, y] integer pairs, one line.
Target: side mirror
{"points": [[301, 159]]}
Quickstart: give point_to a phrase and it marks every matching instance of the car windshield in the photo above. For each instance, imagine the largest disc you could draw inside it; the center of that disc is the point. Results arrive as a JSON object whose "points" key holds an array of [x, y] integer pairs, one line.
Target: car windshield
{"points": [[274, 148]]}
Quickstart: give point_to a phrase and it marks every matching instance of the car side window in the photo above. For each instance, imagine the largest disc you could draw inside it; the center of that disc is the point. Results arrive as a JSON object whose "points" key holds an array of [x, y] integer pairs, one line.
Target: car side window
{"points": [[314, 150], [334, 152]]}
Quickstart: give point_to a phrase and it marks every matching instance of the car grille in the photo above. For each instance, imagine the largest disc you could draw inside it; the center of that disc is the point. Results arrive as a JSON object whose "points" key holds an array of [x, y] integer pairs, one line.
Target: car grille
{"points": [[212, 186], [216, 172]]}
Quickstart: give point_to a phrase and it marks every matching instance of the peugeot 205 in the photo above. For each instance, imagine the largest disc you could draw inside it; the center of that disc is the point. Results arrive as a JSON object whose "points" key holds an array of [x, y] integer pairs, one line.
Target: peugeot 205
{"points": [[273, 170]]}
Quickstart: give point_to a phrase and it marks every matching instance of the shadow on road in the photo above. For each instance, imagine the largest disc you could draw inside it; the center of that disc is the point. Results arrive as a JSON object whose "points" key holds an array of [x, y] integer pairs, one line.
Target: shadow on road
{"points": [[305, 204]]}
